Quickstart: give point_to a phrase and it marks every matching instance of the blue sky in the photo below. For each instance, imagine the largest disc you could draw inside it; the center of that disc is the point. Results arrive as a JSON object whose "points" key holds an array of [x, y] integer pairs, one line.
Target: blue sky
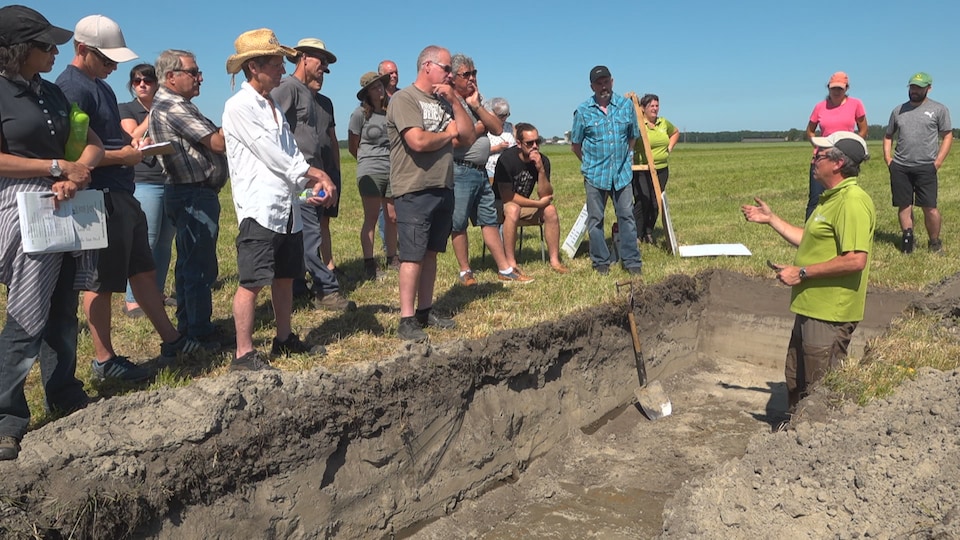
{"points": [[717, 66]]}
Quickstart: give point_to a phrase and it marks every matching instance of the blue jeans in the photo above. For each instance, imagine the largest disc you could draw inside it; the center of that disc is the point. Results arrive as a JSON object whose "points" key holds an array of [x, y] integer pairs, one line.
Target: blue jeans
{"points": [[623, 206], [324, 281], [195, 213], [473, 199], [57, 349], [160, 231]]}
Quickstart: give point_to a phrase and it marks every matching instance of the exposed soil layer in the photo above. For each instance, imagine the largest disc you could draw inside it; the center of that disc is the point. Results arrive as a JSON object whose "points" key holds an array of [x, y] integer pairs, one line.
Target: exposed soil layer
{"points": [[528, 433]]}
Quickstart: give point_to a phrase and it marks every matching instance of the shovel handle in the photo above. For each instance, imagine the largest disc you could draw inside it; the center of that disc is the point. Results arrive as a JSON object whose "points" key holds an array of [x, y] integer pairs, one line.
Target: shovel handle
{"points": [[637, 351]]}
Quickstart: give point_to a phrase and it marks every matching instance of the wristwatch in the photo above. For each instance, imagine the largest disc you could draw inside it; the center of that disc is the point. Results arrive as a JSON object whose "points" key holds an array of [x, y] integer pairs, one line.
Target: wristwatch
{"points": [[55, 170], [803, 273]]}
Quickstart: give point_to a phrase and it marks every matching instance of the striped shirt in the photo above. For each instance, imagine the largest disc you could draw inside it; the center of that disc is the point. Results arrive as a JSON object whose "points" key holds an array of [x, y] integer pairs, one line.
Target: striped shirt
{"points": [[604, 138]]}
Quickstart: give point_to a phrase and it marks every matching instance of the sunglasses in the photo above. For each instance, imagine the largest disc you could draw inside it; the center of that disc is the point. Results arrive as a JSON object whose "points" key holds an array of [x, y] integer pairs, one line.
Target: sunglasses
{"points": [[530, 144], [193, 72], [149, 80], [445, 67], [468, 74], [108, 63], [819, 157], [45, 47]]}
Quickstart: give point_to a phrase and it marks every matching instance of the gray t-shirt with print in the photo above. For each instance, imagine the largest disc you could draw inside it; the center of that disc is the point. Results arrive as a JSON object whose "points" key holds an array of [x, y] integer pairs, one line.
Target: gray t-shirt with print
{"points": [[918, 129], [373, 154]]}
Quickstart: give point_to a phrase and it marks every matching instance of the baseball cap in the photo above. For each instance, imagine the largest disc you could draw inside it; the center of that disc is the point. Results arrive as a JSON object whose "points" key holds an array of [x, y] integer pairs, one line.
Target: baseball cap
{"points": [[839, 79], [104, 35], [20, 24], [851, 144], [920, 79], [598, 72]]}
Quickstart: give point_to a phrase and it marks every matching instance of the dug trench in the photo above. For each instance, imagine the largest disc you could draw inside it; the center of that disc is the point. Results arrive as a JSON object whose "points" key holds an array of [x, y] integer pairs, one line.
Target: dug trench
{"points": [[530, 433]]}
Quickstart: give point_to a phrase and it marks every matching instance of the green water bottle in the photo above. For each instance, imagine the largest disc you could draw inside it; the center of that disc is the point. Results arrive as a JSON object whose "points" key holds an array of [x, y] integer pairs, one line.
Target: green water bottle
{"points": [[77, 141]]}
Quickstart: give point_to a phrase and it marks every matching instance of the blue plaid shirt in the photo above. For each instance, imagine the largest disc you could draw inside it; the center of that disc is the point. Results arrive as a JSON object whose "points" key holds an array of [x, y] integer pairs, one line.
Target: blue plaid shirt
{"points": [[604, 140]]}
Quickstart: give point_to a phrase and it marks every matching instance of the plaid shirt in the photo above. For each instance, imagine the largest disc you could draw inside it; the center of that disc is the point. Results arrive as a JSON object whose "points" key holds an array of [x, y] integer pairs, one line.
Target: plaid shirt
{"points": [[604, 140], [177, 120]]}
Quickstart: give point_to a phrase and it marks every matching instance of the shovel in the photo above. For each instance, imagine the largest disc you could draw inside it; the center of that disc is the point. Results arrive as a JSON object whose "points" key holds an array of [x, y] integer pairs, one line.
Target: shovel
{"points": [[650, 395]]}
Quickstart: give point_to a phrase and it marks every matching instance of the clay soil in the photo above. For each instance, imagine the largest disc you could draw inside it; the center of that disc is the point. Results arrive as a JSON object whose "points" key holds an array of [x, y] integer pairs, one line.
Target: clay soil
{"points": [[531, 433]]}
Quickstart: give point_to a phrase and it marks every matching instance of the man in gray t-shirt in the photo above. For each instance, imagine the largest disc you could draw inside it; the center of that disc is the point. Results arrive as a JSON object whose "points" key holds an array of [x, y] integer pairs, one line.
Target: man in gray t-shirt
{"points": [[924, 135]]}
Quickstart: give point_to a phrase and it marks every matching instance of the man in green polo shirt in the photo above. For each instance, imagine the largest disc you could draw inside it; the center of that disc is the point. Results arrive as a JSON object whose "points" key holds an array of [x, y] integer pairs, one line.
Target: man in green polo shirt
{"points": [[829, 274]]}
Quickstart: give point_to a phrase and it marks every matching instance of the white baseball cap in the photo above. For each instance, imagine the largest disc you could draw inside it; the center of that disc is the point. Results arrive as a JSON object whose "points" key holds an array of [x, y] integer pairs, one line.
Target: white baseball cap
{"points": [[103, 34], [849, 143]]}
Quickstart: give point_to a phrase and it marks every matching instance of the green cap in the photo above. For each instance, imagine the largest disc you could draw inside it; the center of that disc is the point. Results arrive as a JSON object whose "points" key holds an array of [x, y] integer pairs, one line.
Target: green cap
{"points": [[920, 79]]}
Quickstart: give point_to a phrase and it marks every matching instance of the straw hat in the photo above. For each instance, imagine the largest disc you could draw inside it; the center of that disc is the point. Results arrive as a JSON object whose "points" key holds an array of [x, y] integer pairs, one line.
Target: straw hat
{"points": [[254, 43], [368, 79], [313, 46]]}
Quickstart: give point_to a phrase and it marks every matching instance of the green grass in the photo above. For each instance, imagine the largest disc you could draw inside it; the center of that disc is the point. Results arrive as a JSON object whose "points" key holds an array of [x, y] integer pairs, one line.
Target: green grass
{"points": [[708, 183]]}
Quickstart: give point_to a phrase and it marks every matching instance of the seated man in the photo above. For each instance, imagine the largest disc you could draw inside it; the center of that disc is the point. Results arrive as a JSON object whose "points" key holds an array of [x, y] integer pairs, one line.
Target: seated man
{"points": [[519, 170]]}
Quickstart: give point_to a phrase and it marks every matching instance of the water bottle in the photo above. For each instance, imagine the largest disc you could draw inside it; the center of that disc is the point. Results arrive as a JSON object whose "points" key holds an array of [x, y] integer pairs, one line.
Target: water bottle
{"points": [[615, 237], [77, 141], [307, 193]]}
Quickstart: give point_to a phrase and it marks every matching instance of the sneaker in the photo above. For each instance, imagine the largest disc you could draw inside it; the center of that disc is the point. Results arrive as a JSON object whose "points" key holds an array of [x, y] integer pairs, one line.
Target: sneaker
{"points": [[334, 302], [602, 269], [9, 448], [293, 345], [394, 262], [119, 368], [410, 330], [185, 345], [648, 239], [906, 244], [467, 279], [427, 319], [135, 313], [635, 270], [252, 361], [514, 277], [935, 246]]}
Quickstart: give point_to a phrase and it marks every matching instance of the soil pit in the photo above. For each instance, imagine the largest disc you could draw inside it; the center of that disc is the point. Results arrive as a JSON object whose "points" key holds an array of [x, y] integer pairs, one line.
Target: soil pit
{"points": [[530, 433]]}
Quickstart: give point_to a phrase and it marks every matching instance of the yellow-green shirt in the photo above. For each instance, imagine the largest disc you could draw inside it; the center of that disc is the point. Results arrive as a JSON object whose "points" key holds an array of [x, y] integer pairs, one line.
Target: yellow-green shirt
{"points": [[844, 221], [659, 136]]}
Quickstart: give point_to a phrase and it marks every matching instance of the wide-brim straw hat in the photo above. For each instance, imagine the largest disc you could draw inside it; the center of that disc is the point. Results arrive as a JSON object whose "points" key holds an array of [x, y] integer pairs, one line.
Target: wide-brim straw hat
{"points": [[254, 43], [370, 78]]}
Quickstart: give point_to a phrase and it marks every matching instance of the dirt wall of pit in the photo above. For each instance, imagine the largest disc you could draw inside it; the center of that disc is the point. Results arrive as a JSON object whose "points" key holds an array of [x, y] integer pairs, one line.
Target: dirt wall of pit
{"points": [[376, 450]]}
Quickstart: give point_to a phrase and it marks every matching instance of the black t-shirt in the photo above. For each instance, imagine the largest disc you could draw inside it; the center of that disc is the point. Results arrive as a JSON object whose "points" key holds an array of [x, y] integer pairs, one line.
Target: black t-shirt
{"points": [[149, 170], [523, 176], [34, 124]]}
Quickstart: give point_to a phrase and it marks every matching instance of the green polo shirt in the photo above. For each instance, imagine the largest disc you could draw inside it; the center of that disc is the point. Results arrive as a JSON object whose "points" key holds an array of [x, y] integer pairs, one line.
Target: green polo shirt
{"points": [[844, 221]]}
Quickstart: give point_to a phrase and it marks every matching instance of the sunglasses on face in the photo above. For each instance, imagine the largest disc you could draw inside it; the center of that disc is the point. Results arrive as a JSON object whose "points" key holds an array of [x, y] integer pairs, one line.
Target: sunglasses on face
{"points": [[45, 47], [148, 80], [818, 157], [108, 63], [193, 72], [535, 142], [468, 74], [444, 67]]}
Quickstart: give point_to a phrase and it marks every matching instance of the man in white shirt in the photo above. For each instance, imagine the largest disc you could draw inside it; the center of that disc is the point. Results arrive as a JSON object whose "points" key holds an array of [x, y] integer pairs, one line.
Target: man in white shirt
{"points": [[268, 174]]}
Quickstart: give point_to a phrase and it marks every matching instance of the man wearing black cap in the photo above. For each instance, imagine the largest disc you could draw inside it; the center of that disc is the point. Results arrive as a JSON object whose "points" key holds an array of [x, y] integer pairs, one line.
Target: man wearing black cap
{"points": [[604, 130], [830, 270]]}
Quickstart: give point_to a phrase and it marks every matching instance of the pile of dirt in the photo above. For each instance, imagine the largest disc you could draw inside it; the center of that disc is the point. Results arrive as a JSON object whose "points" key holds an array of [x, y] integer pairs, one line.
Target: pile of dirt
{"points": [[890, 469]]}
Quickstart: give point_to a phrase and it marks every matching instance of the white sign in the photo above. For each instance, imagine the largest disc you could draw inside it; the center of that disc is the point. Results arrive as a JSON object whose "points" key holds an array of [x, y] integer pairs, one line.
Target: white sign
{"points": [[572, 242]]}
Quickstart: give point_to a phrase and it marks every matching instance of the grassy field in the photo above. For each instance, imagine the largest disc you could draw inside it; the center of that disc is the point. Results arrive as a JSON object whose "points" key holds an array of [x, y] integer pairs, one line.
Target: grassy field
{"points": [[708, 183]]}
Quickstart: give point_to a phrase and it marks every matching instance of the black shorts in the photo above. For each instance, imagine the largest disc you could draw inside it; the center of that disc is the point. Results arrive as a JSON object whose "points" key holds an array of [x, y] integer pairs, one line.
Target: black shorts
{"points": [[128, 250], [913, 185], [424, 221], [264, 255]]}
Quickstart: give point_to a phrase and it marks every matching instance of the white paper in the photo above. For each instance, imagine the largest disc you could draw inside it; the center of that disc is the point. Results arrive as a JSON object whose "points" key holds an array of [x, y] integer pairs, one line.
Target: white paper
{"points": [[713, 250], [157, 149], [77, 224], [572, 241]]}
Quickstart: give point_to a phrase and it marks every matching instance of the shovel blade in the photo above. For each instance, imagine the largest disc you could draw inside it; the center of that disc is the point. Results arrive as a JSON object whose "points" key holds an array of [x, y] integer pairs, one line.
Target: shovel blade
{"points": [[654, 401]]}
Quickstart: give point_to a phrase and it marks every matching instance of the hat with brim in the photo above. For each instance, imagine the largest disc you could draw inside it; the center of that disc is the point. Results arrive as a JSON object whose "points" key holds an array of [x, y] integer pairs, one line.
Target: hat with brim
{"points": [[920, 79], [839, 80], [20, 24], [316, 47], [369, 79], [254, 43], [103, 34], [851, 144]]}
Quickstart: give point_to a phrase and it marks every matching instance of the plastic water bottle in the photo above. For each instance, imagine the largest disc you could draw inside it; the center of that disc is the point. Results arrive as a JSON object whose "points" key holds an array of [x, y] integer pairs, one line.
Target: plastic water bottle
{"points": [[615, 238], [307, 193], [77, 140]]}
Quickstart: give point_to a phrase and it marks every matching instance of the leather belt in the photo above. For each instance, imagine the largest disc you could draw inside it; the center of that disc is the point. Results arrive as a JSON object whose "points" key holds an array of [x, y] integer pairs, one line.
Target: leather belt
{"points": [[470, 165]]}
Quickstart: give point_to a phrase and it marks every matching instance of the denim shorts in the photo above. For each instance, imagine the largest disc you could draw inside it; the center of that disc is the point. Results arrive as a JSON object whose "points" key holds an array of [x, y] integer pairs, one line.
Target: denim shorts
{"points": [[264, 255], [473, 199]]}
